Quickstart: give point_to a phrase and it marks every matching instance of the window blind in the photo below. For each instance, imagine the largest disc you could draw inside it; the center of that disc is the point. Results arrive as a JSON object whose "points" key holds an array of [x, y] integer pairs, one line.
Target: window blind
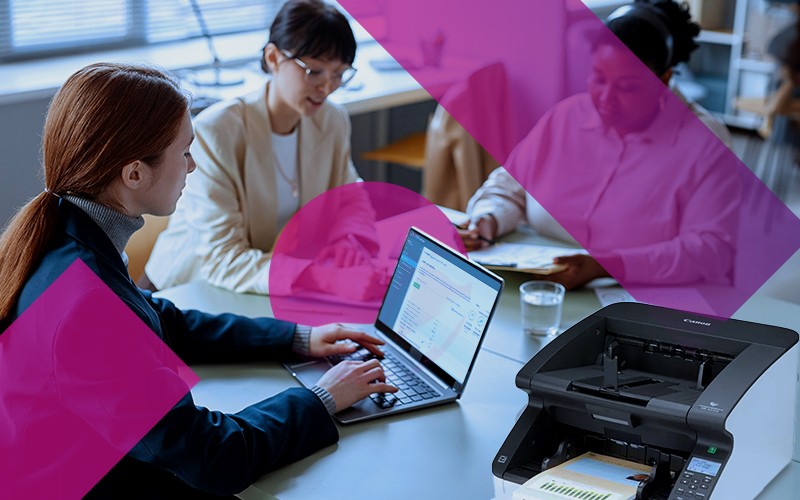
{"points": [[40, 28]]}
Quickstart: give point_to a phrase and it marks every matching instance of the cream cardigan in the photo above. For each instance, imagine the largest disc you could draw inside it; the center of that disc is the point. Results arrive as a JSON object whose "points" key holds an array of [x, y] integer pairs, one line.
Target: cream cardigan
{"points": [[225, 224]]}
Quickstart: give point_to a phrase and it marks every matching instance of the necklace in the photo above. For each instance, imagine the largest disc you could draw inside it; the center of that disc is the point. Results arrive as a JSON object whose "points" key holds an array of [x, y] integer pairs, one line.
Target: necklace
{"points": [[294, 183]]}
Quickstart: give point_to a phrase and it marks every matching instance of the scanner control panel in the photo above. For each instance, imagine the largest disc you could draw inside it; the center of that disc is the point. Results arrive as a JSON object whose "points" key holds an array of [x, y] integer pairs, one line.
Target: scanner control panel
{"points": [[697, 479]]}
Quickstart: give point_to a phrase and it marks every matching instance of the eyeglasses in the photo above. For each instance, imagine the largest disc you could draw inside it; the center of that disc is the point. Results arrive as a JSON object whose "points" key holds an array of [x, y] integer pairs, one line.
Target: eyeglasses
{"points": [[319, 77]]}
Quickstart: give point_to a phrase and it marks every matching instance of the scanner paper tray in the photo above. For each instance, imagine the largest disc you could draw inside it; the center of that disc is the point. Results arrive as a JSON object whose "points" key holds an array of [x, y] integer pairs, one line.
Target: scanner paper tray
{"points": [[590, 476]]}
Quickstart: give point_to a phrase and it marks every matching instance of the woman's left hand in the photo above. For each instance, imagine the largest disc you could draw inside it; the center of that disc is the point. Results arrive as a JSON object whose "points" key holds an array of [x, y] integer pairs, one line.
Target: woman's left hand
{"points": [[325, 341], [581, 269], [345, 252]]}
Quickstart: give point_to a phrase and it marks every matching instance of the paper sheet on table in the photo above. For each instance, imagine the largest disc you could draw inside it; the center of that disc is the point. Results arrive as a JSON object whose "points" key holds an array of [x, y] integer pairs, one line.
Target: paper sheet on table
{"points": [[589, 476], [612, 295], [666, 296], [457, 217], [537, 259]]}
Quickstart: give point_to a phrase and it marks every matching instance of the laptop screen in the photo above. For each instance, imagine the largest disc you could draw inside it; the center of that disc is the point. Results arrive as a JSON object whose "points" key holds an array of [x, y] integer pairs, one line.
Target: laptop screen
{"points": [[439, 303]]}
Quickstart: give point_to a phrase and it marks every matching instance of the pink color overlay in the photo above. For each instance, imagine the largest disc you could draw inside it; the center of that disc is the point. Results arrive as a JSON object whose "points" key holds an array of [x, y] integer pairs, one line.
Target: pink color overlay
{"points": [[82, 380], [599, 141], [334, 259]]}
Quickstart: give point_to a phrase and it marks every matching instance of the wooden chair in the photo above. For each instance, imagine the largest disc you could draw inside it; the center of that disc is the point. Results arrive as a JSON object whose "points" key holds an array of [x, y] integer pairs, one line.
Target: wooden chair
{"points": [[141, 244], [408, 152]]}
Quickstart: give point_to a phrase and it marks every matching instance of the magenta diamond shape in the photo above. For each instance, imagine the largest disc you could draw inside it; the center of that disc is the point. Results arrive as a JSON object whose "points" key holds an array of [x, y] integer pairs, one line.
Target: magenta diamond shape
{"points": [[82, 380]]}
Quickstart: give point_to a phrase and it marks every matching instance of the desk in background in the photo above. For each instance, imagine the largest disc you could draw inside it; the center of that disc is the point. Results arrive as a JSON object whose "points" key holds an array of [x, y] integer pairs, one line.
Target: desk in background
{"points": [[371, 90], [441, 452]]}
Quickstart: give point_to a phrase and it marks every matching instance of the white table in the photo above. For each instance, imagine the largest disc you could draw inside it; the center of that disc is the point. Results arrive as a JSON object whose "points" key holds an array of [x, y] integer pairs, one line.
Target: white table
{"points": [[431, 453], [442, 452]]}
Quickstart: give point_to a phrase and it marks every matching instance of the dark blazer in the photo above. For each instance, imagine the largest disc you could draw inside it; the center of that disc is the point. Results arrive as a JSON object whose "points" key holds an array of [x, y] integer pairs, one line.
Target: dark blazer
{"points": [[192, 452]]}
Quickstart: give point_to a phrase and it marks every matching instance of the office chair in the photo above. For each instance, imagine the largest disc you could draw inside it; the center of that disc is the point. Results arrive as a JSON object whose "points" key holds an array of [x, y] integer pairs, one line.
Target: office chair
{"points": [[455, 164], [780, 130]]}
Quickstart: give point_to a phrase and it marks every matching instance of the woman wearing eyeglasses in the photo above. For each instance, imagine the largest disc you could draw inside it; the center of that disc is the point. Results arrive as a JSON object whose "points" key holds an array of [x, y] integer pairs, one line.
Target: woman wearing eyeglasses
{"points": [[264, 155]]}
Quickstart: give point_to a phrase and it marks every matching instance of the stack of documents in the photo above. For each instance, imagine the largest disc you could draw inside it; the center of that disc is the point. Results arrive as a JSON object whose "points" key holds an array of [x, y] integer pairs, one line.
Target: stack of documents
{"points": [[589, 477], [536, 259]]}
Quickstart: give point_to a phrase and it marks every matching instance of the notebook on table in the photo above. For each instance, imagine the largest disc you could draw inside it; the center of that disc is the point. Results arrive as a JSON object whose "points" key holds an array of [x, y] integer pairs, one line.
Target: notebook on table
{"points": [[433, 318]]}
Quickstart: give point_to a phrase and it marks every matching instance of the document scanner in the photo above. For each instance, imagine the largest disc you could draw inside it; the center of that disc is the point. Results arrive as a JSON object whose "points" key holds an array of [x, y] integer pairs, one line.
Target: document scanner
{"points": [[708, 404]]}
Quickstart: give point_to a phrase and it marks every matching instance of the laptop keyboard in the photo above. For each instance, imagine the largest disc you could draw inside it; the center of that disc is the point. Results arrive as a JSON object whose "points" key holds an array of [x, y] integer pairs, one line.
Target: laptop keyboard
{"points": [[412, 388]]}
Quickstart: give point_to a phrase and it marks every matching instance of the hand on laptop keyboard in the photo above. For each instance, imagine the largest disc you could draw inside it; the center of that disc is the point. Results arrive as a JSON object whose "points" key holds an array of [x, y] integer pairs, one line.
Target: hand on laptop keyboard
{"points": [[410, 387], [336, 339], [351, 381]]}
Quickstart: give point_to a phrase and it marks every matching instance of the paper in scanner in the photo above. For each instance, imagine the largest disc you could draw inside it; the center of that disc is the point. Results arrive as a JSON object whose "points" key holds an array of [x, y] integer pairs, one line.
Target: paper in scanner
{"points": [[590, 476]]}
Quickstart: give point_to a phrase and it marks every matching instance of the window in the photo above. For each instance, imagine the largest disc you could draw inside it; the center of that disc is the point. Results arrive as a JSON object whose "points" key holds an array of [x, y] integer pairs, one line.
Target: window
{"points": [[41, 28]]}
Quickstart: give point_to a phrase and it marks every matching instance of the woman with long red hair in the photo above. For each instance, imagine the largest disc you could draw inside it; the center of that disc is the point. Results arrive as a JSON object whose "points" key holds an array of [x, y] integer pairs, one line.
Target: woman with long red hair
{"points": [[116, 146]]}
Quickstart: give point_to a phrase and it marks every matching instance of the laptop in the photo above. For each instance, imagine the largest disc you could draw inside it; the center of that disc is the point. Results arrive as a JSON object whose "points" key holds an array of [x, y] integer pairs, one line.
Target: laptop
{"points": [[433, 318]]}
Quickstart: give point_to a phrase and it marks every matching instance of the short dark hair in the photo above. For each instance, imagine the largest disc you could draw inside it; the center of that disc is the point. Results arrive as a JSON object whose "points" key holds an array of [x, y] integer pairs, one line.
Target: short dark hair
{"points": [[648, 42], [312, 28]]}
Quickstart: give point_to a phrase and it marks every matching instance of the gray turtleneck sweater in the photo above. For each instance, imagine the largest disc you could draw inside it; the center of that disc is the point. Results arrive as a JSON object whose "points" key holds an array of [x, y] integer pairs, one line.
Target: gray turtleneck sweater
{"points": [[119, 228]]}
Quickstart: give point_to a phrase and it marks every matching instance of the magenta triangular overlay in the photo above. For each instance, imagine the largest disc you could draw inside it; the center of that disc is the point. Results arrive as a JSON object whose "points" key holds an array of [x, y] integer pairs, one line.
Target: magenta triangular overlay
{"points": [[693, 228], [82, 380]]}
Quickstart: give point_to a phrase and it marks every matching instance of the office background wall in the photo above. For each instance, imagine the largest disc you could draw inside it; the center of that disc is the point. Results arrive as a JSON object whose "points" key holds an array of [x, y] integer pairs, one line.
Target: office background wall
{"points": [[20, 153]]}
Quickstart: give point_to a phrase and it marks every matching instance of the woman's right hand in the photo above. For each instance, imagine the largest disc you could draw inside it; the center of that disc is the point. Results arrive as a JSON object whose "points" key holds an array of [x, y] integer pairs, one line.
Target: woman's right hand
{"points": [[478, 233], [351, 381]]}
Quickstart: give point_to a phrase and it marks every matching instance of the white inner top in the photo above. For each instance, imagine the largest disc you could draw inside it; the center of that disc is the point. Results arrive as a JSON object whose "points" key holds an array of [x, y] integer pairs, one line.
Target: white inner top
{"points": [[284, 148]]}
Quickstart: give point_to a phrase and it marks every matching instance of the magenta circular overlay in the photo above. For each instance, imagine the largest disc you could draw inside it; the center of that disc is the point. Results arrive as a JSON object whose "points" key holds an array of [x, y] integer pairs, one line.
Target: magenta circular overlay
{"points": [[334, 259]]}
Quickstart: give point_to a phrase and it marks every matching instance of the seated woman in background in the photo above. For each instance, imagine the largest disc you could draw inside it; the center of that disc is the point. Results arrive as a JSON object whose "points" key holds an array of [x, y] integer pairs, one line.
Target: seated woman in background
{"points": [[116, 146], [619, 111], [262, 156]]}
